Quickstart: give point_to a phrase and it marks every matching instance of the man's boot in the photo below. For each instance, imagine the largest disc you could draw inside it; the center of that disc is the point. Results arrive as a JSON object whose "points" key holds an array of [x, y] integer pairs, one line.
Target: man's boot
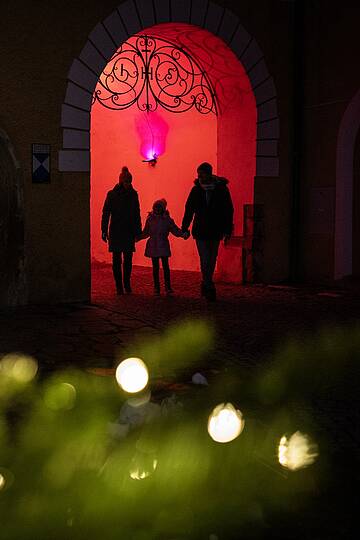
{"points": [[209, 291], [211, 294], [117, 272], [127, 267]]}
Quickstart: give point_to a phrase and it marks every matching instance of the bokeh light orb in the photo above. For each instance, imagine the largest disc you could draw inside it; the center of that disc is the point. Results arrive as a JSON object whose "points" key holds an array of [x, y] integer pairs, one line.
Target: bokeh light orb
{"points": [[6, 479], [19, 367], [60, 396], [132, 375], [297, 451], [140, 472], [225, 423]]}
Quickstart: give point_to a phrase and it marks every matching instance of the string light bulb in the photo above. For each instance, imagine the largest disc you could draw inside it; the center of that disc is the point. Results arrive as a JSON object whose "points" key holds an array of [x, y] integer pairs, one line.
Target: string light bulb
{"points": [[225, 423], [19, 367], [296, 452], [132, 375]]}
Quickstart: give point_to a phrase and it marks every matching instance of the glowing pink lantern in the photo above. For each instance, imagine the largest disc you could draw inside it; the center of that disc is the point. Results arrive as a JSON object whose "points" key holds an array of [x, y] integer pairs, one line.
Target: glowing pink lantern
{"points": [[152, 130]]}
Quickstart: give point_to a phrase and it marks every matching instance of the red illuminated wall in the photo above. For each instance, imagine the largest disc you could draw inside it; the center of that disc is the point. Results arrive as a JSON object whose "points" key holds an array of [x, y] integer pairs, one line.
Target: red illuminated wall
{"points": [[116, 141], [182, 141]]}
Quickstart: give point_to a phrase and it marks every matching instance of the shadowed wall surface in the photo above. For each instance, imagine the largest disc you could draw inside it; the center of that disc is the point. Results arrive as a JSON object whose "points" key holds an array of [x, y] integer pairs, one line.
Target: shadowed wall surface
{"points": [[41, 40], [12, 278]]}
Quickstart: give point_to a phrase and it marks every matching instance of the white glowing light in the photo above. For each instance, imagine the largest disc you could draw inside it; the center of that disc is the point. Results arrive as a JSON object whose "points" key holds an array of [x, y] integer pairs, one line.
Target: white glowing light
{"points": [[139, 473], [6, 479], [20, 367], [297, 452], [132, 375], [225, 423]]}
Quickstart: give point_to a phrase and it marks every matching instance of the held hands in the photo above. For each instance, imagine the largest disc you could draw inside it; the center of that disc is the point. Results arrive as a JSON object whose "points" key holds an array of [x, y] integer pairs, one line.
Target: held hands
{"points": [[186, 235], [104, 236]]}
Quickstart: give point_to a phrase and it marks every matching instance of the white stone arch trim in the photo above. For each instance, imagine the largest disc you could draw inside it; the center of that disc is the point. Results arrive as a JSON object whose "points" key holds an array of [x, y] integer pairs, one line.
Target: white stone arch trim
{"points": [[131, 17], [348, 130]]}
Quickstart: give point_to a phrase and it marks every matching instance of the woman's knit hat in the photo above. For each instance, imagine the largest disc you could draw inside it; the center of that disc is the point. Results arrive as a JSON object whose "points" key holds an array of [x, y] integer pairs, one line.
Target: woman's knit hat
{"points": [[125, 174]]}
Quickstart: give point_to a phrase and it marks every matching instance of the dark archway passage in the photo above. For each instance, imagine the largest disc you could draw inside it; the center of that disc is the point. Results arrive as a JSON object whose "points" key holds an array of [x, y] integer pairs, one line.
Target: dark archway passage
{"points": [[126, 21], [356, 210], [11, 228], [347, 165]]}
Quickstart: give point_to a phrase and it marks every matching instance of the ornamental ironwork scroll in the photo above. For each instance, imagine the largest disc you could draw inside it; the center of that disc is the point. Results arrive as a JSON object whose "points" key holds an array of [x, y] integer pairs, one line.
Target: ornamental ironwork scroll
{"points": [[152, 72]]}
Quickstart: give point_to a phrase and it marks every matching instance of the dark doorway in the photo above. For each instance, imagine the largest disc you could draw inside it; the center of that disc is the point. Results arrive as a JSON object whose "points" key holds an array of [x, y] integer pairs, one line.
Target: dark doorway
{"points": [[12, 290], [356, 210]]}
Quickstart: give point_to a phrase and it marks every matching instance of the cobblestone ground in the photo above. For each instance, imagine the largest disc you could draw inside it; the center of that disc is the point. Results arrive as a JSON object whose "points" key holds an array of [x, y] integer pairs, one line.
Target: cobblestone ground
{"points": [[249, 320]]}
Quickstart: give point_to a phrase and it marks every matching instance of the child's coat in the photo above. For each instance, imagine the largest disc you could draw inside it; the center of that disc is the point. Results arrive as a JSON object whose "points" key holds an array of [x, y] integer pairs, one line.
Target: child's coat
{"points": [[157, 229]]}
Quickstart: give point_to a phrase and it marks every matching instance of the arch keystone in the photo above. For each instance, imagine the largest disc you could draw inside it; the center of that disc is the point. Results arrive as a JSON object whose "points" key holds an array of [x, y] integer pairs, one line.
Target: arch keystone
{"points": [[146, 13], [180, 10], [129, 16]]}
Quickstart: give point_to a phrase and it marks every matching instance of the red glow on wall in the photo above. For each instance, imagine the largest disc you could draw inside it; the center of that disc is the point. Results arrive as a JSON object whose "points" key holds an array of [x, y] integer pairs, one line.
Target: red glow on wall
{"points": [[152, 130], [181, 141]]}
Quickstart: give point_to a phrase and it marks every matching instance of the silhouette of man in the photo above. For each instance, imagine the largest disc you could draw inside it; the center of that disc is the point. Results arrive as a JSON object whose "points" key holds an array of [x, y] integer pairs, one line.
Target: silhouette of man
{"points": [[209, 204]]}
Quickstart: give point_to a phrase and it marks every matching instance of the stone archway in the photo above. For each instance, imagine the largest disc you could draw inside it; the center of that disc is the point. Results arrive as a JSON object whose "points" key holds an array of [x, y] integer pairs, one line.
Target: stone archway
{"points": [[12, 278], [348, 131], [130, 18], [220, 129]]}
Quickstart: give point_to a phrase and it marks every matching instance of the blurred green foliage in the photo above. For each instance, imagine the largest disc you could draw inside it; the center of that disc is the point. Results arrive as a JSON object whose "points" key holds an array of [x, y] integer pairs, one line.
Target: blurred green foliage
{"points": [[66, 475]]}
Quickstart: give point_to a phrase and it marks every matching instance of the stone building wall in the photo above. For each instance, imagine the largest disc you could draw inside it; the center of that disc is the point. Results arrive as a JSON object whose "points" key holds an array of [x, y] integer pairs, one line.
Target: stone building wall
{"points": [[39, 41], [331, 80]]}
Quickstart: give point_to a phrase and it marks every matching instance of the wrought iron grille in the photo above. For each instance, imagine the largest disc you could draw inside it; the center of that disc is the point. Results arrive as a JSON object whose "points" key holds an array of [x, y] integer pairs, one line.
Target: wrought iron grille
{"points": [[152, 72]]}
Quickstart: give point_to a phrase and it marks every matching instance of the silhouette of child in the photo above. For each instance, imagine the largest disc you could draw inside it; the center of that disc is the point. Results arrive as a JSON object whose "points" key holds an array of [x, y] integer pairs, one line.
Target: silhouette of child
{"points": [[157, 228]]}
